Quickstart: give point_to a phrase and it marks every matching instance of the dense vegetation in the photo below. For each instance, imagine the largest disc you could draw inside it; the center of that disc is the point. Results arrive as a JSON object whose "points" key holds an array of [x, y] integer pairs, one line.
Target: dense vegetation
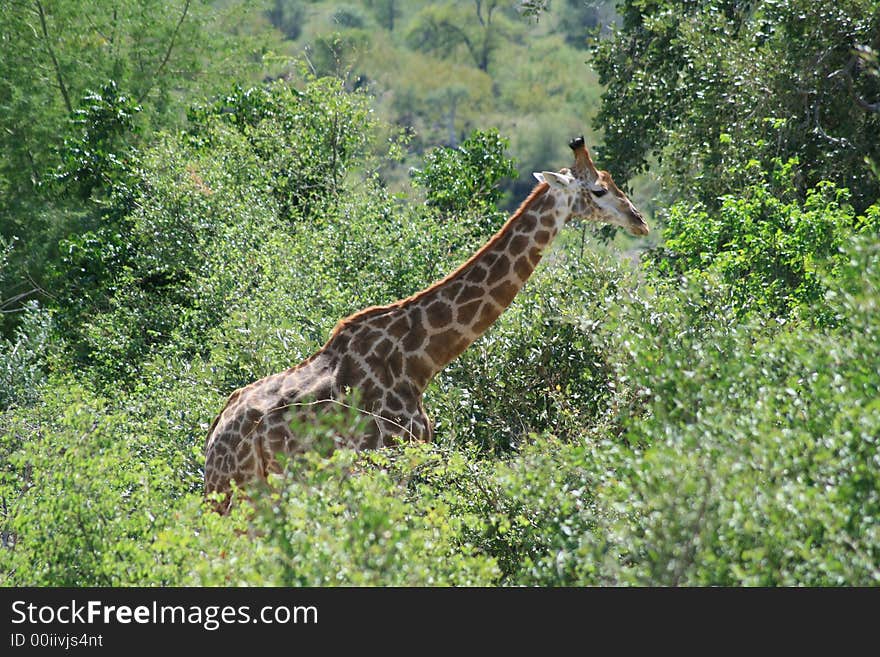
{"points": [[187, 206]]}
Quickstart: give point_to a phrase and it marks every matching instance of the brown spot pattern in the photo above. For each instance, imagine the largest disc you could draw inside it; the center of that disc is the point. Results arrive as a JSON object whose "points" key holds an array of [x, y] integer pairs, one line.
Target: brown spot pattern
{"points": [[504, 292], [395, 363], [523, 268], [489, 315], [380, 322], [450, 291], [379, 367], [399, 328], [518, 244], [543, 204], [470, 293], [535, 255], [416, 336], [467, 311], [476, 274], [498, 271], [442, 345], [383, 348], [387, 355], [419, 369], [527, 222], [439, 314]]}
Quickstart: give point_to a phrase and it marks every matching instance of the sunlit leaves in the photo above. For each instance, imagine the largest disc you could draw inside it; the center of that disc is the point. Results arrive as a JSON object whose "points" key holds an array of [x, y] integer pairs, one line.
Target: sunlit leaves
{"points": [[779, 78]]}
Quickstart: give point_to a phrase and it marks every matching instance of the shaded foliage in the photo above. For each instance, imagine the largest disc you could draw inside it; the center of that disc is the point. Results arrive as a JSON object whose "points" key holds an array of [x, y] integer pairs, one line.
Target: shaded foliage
{"points": [[774, 250], [698, 85], [465, 179]]}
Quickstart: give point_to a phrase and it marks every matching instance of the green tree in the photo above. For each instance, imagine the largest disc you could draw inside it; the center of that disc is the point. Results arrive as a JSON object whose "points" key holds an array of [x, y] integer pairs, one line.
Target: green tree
{"points": [[465, 179], [95, 157], [582, 20], [56, 53], [134, 280], [341, 55], [449, 26], [773, 250], [288, 16], [698, 84], [386, 12]]}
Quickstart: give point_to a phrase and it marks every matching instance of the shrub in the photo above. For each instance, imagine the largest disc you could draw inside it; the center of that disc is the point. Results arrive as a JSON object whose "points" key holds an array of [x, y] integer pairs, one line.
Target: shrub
{"points": [[771, 249], [710, 419], [23, 359], [82, 493], [755, 461], [543, 366], [464, 180]]}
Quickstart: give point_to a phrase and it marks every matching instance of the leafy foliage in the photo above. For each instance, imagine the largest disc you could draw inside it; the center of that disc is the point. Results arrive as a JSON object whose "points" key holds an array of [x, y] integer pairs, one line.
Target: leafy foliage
{"points": [[22, 359], [75, 73], [287, 16], [306, 139], [465, 179], [701, 84], [771, 249], [94, 159], [756, 461], [448, 26]]}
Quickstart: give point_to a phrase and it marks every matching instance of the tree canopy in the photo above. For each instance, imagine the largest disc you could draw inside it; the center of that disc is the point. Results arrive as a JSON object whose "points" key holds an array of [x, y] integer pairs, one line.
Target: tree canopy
{"points": [[697, 86]]}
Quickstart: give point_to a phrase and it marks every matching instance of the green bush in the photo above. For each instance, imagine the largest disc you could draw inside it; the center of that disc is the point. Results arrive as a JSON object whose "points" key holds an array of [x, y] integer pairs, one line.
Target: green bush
{"points": [[96, 157], [83, 491], [343, 521], [755, 460], [182, 239], [464, 180], [542, 367], [771, 249], [304, 141], [694, 87], [23, 359]]}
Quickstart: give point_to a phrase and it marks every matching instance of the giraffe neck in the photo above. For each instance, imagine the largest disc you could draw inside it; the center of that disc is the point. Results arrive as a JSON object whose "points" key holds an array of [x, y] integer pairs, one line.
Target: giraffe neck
{"points": [[458, 309]]}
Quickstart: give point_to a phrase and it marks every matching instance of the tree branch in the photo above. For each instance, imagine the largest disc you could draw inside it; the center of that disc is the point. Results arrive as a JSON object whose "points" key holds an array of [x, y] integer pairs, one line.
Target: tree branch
{"points": [[167, 52], [846, 74], [837, 141], [58, 76], [453, 36], [479, 5]]}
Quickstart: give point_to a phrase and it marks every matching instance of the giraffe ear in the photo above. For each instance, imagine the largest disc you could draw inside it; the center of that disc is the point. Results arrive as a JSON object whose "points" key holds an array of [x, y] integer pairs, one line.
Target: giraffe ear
{"points": [[557, 180], [538, 176]]}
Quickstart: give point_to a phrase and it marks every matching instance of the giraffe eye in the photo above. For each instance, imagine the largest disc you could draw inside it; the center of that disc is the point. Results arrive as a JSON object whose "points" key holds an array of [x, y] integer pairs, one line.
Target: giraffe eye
{"points": [[599, 192]]}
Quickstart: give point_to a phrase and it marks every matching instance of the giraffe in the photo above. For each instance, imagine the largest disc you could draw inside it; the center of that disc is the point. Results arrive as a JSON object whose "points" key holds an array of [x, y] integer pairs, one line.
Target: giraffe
{"points": [[384, 356]]}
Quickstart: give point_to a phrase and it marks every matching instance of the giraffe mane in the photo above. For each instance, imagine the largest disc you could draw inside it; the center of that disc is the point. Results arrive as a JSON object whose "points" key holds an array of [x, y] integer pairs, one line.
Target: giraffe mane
{"points": [[539, 189]]}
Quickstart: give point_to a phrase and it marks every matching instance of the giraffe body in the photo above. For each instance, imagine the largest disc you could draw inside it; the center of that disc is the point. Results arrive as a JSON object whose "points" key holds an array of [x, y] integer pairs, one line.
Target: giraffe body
{"points": [[389, 354]]}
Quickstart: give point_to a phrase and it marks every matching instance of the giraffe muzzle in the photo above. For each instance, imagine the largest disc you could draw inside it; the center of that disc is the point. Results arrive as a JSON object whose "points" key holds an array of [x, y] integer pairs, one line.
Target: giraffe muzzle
{"points": [[639, 228]]}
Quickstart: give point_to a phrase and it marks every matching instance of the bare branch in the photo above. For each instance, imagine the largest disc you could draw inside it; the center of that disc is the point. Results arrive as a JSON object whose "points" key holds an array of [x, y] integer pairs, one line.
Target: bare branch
{"points": [[479, 5], [846, 74], [58, 76], [837, 141], [167, 51], [15, 299]]}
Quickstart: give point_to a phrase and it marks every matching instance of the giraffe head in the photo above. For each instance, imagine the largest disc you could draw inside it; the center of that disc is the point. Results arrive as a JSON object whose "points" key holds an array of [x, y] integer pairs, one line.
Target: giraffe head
{"points": [[592, 194]]}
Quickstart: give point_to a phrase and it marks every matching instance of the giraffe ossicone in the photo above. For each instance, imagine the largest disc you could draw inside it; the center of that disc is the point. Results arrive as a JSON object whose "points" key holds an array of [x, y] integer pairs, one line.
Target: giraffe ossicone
{"points": [[387, 355]]}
